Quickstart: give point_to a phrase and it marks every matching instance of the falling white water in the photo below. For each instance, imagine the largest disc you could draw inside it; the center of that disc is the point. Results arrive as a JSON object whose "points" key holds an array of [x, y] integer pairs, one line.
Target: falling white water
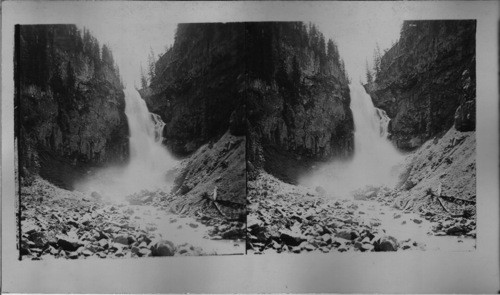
{"points": [[149, 160], [375, 159]]}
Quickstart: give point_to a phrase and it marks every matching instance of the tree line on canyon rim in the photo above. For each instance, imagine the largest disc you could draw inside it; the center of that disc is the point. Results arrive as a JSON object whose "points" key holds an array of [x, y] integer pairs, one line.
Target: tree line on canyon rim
{"points": [[237, 100]]}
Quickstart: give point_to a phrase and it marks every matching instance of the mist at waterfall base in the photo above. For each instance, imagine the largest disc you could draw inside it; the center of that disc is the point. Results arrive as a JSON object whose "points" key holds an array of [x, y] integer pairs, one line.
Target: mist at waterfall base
{"points": [[149, 164], [375, 162]]}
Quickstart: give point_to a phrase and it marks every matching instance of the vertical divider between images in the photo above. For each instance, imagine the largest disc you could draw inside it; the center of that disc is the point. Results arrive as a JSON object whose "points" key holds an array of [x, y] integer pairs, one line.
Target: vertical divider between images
{"points": [[17, 98], [246, 131]]}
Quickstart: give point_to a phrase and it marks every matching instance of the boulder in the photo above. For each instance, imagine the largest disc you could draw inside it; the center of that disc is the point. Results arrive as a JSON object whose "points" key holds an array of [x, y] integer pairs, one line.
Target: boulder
{"points": [[68, 244], [291, 238], [163, 248], [233, 234], [144, 252], [121, 239], [326, 238], [386, 243], [39, 239], [367, 247], [456, 230], [348, 235]]}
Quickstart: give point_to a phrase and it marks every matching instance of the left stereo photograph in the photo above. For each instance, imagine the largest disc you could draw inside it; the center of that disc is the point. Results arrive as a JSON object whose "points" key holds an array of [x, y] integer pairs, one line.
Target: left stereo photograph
{"points": [[129, 150]]}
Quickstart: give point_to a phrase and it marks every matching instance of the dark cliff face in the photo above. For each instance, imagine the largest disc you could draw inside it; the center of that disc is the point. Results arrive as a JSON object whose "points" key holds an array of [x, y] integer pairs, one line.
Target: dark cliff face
{"points": [[427, 81], [297, 99], [281, 84], [196, 89], [71, 103]]}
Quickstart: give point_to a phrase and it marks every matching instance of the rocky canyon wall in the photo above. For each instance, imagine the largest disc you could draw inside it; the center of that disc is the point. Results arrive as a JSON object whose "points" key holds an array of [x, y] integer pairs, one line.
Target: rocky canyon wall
{"points": [[70, 103], [281, 84], [197, 85], [297, 99], [427, 81], [197, 90]]}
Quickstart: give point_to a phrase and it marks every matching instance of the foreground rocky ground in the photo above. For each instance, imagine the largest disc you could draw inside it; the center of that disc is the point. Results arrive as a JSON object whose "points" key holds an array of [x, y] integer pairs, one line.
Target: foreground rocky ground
{"points": [[288, 218], [432, 208], [61, 224]]}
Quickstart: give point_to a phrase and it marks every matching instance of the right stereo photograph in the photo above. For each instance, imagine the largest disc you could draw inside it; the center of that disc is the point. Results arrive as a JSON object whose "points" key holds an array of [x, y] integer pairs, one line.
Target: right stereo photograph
{"points": [[361, 147]]}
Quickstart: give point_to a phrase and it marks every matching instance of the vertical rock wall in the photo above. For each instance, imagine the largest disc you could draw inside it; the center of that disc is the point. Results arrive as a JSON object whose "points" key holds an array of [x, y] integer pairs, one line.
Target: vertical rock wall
{"points": [[70, 103], [427, 81], [297, 101], [281, 84]]}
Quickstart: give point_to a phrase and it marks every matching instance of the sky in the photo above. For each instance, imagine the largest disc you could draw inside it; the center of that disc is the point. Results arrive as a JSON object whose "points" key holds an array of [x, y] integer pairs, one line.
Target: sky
{"points": [[357, 40], [131, 44], [131, 33]]}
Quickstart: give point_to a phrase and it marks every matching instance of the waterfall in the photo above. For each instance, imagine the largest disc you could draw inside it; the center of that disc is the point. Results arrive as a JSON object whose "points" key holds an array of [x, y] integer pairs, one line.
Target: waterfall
{"points": [[149, 160], [146, 150], [371, 124], [375, 159], [384, 122]]}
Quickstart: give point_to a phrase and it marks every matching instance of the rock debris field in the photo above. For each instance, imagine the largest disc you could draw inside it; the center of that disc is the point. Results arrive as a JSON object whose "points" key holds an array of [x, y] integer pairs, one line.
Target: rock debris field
{"points": [[60, 224], [294, 219]]}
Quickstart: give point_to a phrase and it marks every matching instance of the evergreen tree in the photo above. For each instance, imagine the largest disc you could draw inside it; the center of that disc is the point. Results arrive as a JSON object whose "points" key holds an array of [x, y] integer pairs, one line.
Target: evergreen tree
{"points": [[144, 80], [151, 65], [369, 77], [107, 57], [377, 58], [87, 42], [322, 45]]}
